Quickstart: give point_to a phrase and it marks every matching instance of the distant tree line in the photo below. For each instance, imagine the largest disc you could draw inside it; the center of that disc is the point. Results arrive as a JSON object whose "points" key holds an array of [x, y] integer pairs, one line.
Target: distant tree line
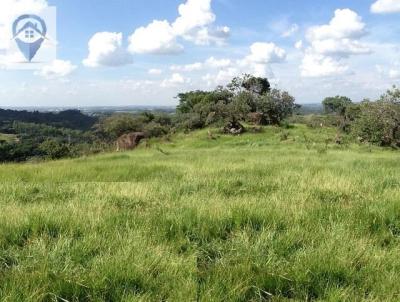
{"points": [[72, 119], [45, 134], [43, 141]]}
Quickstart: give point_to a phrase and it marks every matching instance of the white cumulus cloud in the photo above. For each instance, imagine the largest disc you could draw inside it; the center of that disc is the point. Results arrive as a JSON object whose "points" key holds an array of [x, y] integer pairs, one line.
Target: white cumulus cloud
{"points": [[222, 77], [265, 53], [386, 7], [155, 71], [316, 65], [156, 38], [298, 44], [193, 14], [194, 24], [56, 69], [218, 63], [256, 63], [210, 63], [261, 56], [188, 67], [345, 24], [175, 80], [330, 44], [206, 36], [106, 49]]}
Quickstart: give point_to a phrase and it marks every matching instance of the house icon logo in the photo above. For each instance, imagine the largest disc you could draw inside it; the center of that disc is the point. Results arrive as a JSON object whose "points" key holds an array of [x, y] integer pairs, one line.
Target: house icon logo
{"points": [[29, 32]]}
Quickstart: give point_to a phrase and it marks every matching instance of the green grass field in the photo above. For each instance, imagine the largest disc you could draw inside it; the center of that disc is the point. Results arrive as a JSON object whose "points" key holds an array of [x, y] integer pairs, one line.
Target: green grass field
{"points": [[250, 218], [7, 137]]}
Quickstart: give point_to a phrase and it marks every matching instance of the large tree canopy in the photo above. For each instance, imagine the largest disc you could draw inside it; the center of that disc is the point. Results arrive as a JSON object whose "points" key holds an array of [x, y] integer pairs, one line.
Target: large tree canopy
{"points": [[233, 103], [337, 104]]}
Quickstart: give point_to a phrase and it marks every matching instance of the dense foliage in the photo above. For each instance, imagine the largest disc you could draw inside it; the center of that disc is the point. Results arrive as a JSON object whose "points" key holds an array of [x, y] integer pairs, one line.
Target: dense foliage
{"points": [[243, 98], [375, 122], [337, 104], [151, 124], [72, 119], [42, 141], [379, 122]]}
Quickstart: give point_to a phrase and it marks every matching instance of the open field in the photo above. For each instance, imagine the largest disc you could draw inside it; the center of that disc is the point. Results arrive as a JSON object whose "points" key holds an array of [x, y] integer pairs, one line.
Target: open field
{"points": [[278, 215], [7, 137]]}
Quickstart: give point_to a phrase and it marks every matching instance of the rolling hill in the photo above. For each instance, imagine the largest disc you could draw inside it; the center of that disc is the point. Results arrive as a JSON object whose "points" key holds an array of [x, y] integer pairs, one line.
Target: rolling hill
{"points": [[285, 215]]}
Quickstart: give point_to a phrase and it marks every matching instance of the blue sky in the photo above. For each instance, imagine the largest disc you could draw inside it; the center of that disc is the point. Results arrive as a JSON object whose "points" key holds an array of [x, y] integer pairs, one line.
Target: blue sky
{"points": [[311, 48]]}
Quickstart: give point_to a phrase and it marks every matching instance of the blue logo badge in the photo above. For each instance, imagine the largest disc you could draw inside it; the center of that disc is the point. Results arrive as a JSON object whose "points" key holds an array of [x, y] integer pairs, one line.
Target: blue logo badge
{"points": [[29, 32]]}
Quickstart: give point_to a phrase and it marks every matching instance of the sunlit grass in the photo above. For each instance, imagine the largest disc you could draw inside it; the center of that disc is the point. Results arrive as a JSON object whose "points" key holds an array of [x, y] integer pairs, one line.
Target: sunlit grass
{"points": [[246, 218], [7, 137]]}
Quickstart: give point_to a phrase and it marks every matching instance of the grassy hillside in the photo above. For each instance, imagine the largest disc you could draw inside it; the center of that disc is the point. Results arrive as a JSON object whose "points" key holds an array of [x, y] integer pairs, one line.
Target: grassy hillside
{"points": [[283, 215], [7, 137]]}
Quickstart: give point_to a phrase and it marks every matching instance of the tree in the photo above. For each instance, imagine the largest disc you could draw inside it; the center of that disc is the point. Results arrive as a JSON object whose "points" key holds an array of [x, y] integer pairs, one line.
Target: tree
{"points": [[119, 124], [351, 113], [392, 95], [232, 104], [197, 109], [256, 85], [337, 104], [188, 100], [378, 123], [275, 106], [249, 83]]}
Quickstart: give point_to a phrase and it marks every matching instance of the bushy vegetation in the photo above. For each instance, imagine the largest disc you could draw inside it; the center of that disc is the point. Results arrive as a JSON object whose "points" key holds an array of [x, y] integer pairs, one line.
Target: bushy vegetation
{"points": [[248, 218], [247, 100], [243, 98], [41, 141], [152, 124], [379, 123], [373, 122]]}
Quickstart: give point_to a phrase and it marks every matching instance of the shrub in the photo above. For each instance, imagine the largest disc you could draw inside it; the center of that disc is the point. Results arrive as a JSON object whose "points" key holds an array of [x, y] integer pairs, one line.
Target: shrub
{"points": [[378, 123], [119, 124], [154, 129], [154, 124], [191, 121], [54, 149]]}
